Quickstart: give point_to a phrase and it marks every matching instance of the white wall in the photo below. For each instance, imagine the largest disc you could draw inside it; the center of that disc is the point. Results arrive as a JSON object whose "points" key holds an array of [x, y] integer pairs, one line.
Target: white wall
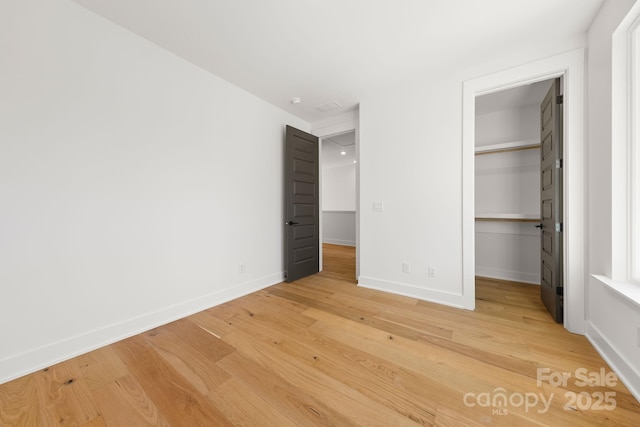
{"points": [[612, 320], [339, 205], [508, 125], [410, 155], [132, 185], [339, 188], [508, 183], [411, 160], [508, 251], [339, 227]]}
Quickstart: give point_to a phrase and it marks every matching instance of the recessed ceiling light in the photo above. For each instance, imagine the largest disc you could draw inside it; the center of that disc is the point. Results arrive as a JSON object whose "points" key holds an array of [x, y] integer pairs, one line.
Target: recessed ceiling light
{"points": [[355, 161], [296, 100], [343, 153]]}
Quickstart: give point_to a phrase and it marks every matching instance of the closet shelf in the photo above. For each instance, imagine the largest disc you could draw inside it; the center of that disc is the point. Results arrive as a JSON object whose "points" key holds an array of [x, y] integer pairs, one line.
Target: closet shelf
{"points": [[527, 144], [508, 217]]}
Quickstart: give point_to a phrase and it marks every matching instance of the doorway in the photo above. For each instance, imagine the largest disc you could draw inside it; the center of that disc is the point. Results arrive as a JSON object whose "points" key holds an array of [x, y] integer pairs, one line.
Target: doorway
{"points": [[570, 66], [338, 166], [509, 251]]}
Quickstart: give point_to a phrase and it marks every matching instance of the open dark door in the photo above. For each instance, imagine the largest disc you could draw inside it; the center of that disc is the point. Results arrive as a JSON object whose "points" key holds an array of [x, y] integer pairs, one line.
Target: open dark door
{"points": [[551, 286], [301, 189]]}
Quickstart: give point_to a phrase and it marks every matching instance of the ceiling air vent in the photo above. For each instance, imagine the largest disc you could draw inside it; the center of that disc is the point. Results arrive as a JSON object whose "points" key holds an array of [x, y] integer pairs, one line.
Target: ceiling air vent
{"points": [[329, 106]]}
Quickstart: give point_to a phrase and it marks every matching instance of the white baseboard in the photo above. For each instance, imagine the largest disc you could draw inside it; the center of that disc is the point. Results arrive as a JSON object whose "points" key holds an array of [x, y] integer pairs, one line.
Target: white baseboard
{"points": [[625, 371], [514, 276], [439, 297], [338, 242], [39, 358]]}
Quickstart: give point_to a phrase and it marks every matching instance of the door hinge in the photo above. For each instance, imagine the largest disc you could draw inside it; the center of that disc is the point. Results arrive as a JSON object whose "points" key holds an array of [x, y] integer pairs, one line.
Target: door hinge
{"points": [[560, 291], [560, 99], [558, 227], [559, 164]]}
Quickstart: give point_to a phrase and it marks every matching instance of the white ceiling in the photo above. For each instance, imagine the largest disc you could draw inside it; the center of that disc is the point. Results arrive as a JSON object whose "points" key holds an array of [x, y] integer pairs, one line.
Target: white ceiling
{"points": [[332, 149], [341, 50]]}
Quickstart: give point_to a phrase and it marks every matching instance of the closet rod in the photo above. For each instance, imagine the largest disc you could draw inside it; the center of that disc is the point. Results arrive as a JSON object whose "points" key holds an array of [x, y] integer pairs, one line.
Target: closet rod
{"points": [[506, 150]]}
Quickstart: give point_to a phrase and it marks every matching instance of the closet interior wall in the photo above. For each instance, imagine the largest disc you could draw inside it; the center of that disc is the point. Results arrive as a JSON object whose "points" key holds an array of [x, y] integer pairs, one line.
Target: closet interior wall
{"points": [[507, 194]]}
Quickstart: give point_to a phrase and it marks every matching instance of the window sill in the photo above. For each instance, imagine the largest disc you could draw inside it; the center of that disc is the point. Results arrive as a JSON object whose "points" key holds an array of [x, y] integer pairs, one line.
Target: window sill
{"points": [[630, 291]]}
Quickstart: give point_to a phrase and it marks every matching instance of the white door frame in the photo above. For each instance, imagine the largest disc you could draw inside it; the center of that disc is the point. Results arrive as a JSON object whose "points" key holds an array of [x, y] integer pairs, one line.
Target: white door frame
{"points": [[570, 66]]}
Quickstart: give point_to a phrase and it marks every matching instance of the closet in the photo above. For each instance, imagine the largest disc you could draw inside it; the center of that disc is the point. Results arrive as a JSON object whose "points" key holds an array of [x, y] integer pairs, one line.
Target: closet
{"points": [[507, 184]]}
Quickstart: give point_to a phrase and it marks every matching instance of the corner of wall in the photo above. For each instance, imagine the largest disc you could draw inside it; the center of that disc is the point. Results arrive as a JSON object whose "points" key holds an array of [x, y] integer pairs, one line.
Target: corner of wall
{"points": [[16, 366], [608, 351]]}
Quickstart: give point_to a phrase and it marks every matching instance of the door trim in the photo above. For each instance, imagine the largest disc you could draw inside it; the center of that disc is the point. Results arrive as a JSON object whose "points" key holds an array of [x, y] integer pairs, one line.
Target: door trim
{"points": [[570, 66]]}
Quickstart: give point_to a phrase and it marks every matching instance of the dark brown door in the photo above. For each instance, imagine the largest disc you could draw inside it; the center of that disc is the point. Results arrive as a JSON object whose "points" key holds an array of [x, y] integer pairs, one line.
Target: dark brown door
{"points": [[301, 189], [551, 287]]}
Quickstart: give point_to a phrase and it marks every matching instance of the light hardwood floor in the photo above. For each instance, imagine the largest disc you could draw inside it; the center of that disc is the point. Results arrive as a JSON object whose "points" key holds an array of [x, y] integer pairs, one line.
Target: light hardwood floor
{"points": [[322, 351]]}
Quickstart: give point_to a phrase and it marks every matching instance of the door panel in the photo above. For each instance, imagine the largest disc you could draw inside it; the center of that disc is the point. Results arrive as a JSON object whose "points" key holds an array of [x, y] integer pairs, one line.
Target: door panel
{"points": [[547, 243], [301, 187], [303, 232], [547, 179], [301, 210], [551, 287]]}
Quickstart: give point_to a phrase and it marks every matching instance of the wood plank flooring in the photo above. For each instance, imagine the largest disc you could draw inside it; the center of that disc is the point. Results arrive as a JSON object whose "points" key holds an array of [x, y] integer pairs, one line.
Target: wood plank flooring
{"points": [[322, 351]]}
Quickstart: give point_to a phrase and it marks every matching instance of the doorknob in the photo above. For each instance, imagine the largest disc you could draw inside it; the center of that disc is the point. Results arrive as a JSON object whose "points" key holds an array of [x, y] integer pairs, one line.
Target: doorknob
{"points": [[539, 226], [291, 223]]}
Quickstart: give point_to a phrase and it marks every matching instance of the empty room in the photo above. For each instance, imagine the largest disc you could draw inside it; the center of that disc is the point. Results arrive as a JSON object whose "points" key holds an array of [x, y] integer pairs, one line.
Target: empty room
{"points": [[299, 213]]}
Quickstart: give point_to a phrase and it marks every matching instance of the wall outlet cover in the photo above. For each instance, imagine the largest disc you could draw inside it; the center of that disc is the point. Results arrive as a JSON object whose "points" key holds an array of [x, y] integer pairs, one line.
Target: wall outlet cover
{"points": [[406, 267]]}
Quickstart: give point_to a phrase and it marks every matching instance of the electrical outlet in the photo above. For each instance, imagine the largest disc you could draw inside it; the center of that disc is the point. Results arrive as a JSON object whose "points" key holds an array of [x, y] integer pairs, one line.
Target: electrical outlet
{"points": [[406, 267], [242, 269], [378, 206], [432, 271]]}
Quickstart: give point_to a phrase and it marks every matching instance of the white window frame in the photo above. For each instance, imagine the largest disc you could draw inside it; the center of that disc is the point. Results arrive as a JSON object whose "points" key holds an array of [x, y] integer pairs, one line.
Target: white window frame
{"points": [[634, 115], [625, 150]]}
